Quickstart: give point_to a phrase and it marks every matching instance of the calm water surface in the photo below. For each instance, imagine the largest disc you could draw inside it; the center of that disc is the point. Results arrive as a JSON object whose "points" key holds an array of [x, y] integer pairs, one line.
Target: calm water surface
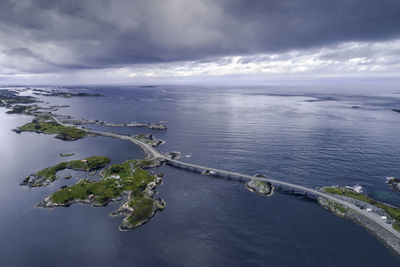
{"points": [[297, 134]]}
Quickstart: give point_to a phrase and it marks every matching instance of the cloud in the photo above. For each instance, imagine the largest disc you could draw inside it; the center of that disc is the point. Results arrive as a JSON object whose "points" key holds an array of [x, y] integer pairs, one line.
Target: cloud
{"points": [[377, 58], [46, 36], [350, 59]]}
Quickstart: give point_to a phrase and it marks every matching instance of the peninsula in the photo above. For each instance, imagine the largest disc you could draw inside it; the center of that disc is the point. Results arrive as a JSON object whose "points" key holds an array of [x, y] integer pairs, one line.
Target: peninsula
{"points": [[46, 176], [50, 127]]}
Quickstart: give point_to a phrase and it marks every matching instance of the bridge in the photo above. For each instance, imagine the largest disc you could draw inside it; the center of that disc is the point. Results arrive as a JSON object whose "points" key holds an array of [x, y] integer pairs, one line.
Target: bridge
{"points": [[309, 192]]}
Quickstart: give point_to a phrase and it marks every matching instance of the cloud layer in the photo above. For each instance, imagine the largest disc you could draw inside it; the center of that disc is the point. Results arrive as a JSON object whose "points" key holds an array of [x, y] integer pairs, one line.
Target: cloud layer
{"points": [[60, 36]]}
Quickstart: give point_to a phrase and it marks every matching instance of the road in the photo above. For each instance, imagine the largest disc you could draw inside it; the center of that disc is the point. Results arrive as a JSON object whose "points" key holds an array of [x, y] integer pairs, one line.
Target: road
{"points": [[151, 151]]}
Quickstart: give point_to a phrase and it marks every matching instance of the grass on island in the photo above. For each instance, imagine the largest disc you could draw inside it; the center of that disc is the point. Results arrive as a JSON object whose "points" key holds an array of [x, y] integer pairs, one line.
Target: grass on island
{"points": [[348, 193], [104, 190], [69, 94], [394, 212], [143, 208], [87, 164], [127, 176], [63, 132], [51, 172], [261, 184], [8, 98], [18, 109]]}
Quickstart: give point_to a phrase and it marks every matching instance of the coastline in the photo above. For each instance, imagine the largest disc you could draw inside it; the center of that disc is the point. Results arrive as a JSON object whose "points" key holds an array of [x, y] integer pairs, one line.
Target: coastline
{"points": [[390, 240]]}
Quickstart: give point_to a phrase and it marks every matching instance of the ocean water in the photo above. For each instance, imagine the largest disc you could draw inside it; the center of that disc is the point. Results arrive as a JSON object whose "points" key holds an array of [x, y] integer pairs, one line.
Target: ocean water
{"points": [[313, 136]]}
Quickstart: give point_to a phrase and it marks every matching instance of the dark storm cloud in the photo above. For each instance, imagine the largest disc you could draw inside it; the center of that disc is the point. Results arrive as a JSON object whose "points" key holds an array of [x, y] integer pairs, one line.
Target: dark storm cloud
{"points": [[97, 33]]}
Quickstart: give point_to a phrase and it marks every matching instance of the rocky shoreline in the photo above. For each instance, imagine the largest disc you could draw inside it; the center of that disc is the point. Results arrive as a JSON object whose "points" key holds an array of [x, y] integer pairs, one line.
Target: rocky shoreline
{"points": [[48, 175], [394, 183], [149, 139], [140, 204], [390, 240], [262, 188], [80, 121], [127, 210]]}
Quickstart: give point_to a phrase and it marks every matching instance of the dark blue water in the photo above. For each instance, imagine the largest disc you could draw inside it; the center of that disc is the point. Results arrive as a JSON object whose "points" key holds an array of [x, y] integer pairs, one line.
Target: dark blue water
{"points": [[305, 135]]}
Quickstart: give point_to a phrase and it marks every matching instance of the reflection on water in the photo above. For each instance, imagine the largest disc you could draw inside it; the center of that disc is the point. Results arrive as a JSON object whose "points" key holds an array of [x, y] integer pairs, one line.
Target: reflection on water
{"points": [[301, 135]]}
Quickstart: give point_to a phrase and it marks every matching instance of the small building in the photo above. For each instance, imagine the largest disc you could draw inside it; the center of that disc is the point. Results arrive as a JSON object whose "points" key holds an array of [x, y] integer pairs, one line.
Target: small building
{"points": [[357, 188]]}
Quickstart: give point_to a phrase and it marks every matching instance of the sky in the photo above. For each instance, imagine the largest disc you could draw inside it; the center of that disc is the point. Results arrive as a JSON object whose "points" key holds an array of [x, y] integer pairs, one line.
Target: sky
{"points": [[126, 41]]}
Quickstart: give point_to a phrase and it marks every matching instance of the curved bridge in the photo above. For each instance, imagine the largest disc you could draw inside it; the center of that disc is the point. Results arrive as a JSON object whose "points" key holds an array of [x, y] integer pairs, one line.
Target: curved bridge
{"points": [[151, 151]]}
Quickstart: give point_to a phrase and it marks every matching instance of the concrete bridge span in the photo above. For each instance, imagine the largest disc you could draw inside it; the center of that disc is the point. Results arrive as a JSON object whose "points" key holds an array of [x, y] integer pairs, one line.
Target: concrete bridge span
{"points": [[282, 185]]}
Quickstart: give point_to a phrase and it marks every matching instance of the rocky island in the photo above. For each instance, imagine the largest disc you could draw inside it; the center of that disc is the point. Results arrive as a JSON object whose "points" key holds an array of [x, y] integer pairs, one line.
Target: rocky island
{"points": [[259, 187], [9, 98], [394, 183], [46, 176], [130, 179], [79, 121], [22, 109], [51, 127], [64, 155], [149, 139], [65, 94]]}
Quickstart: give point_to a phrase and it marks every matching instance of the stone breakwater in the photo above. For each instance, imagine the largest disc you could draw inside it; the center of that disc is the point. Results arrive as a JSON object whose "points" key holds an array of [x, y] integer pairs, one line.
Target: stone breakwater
{"points": [[386, 237]]}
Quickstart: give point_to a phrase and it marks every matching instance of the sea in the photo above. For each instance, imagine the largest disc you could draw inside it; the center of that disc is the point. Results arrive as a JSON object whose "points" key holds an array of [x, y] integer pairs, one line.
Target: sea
{"points": [[315, 135]]}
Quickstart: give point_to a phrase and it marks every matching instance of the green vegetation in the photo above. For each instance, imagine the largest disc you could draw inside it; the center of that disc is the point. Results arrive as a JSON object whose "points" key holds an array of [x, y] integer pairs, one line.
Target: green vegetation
{"points": [[89, 163], [18, 109], [48, 175], [63, 93], [145, 163], [338, 207], [143, 208], [127, 176], [260, 184], [66, 154], [348, 193], [103, 190], [63, 132], [8, 98], [51, 172], [67, 95], [394, 212], [148, 139], [119, 179]]}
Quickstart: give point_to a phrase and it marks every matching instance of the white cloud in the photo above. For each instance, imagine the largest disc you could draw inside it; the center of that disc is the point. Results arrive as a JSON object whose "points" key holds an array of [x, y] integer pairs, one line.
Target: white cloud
{"points": [[353, 59], [357, 58]]}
